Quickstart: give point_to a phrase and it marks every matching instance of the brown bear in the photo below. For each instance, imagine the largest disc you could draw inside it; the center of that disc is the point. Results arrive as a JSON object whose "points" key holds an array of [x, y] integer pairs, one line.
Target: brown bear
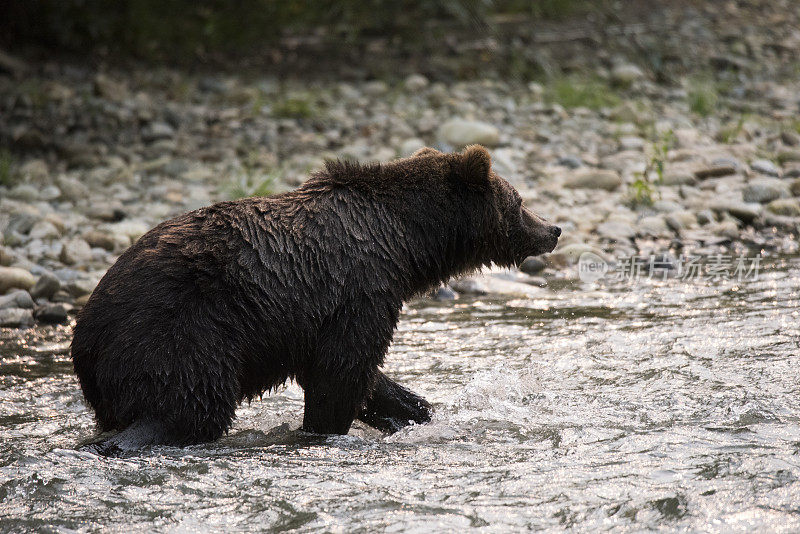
{"points": [[227, 302]]}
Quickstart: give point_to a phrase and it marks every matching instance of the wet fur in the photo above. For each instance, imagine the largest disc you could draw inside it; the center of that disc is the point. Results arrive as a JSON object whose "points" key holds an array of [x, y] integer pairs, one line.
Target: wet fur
{"points": [[230, 301]]}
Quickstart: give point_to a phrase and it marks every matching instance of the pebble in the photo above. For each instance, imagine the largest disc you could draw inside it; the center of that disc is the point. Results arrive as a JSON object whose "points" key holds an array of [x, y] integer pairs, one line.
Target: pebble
{"points": [[7, 257], [680, 220], [132, 229], [626, 74], [111, 211], [532, 265], [72, 189], [80, 287], [461, 132], [765, 166], [443, 293], [105, 87], [571, 253], [15, 317], [594, 179], [706, 217], [14, 277], [51, 314], [375, 88], [653, 225], [46, 286], [727, 228], [409, 146], [157, 131], [666, 206], [34, 171], [764, 190], [714, 171], [25, 192], [678, 178], [795, 187], [469, 286], [571, 162], [485, 284], [416, 82], [631, 142], [790, 138], [788, 156], [104, 240], [16, 299], [75, 251], [616, 231], [785, 206], [44, 230], [745, 212]]}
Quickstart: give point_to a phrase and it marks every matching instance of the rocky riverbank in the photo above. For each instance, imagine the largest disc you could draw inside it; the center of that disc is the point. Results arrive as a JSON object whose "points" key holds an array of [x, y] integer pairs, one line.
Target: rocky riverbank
{"points": [[625, 165]]}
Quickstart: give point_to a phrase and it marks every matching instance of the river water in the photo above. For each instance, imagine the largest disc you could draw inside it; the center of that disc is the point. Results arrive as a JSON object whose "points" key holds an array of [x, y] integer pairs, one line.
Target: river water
{"points": [[653, 405]]}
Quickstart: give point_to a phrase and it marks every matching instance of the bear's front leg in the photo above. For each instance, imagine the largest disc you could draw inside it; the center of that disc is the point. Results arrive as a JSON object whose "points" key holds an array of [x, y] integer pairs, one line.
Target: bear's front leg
{"points": [[332, 402], [391, 407]]}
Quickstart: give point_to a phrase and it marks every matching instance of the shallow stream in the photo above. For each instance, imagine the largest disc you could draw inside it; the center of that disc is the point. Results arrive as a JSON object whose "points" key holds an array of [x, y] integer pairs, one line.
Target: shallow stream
{"points": [[657, 405]]}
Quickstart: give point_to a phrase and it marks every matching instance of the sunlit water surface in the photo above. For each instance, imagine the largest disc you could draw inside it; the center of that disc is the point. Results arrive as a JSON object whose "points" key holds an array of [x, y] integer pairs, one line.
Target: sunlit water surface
{"points": [[661, 405]]}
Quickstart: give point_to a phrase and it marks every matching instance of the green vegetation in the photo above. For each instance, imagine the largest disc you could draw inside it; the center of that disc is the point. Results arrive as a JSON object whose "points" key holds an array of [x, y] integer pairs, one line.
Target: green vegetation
{"points": [[573, 92], [251, 184], [252, 179], [643, 191], [177, 29], [703, 97], [293, 108], [731, 132], [6, 168]]}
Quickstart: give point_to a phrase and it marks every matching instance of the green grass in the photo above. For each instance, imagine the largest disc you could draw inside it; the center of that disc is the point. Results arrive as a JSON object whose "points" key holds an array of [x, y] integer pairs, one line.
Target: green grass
{"points": [[250, 181], [574, 92], [6, 168], [731, 132], [643, 191], [293, 108], [703, 97]]}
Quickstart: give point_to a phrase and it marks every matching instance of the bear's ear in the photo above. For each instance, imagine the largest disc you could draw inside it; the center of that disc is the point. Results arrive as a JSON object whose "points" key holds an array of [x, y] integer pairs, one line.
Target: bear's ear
{"points": [[473, 165], [426, 151]]}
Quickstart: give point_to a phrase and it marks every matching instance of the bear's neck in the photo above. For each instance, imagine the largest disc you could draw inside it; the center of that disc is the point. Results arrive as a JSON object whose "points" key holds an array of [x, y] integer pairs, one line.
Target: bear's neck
{"points": [[436, 249]]}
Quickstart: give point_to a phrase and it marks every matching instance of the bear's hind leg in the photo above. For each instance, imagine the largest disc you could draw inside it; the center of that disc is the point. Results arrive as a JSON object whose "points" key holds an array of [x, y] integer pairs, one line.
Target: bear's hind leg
{"points": [[136, 436], [391, 407]]}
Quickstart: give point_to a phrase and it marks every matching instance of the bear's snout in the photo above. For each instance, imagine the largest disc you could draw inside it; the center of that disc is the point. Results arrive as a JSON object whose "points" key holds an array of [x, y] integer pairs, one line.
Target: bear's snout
{"points": [[553, 233], [541, 236]]}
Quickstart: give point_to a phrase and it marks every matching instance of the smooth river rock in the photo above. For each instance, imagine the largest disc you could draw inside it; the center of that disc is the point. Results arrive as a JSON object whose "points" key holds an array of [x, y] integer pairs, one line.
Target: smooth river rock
{"points": [[461, 132], [785, 206], [14, 317], [594, 179], [14, 277], [46, 286], [16, 299], [765, 166], [764, 190], [51, 314]]}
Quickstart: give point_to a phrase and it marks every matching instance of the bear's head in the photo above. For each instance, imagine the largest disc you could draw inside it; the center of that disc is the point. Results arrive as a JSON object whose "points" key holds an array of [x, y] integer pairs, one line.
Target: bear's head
{"points": [[504, 231]]}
